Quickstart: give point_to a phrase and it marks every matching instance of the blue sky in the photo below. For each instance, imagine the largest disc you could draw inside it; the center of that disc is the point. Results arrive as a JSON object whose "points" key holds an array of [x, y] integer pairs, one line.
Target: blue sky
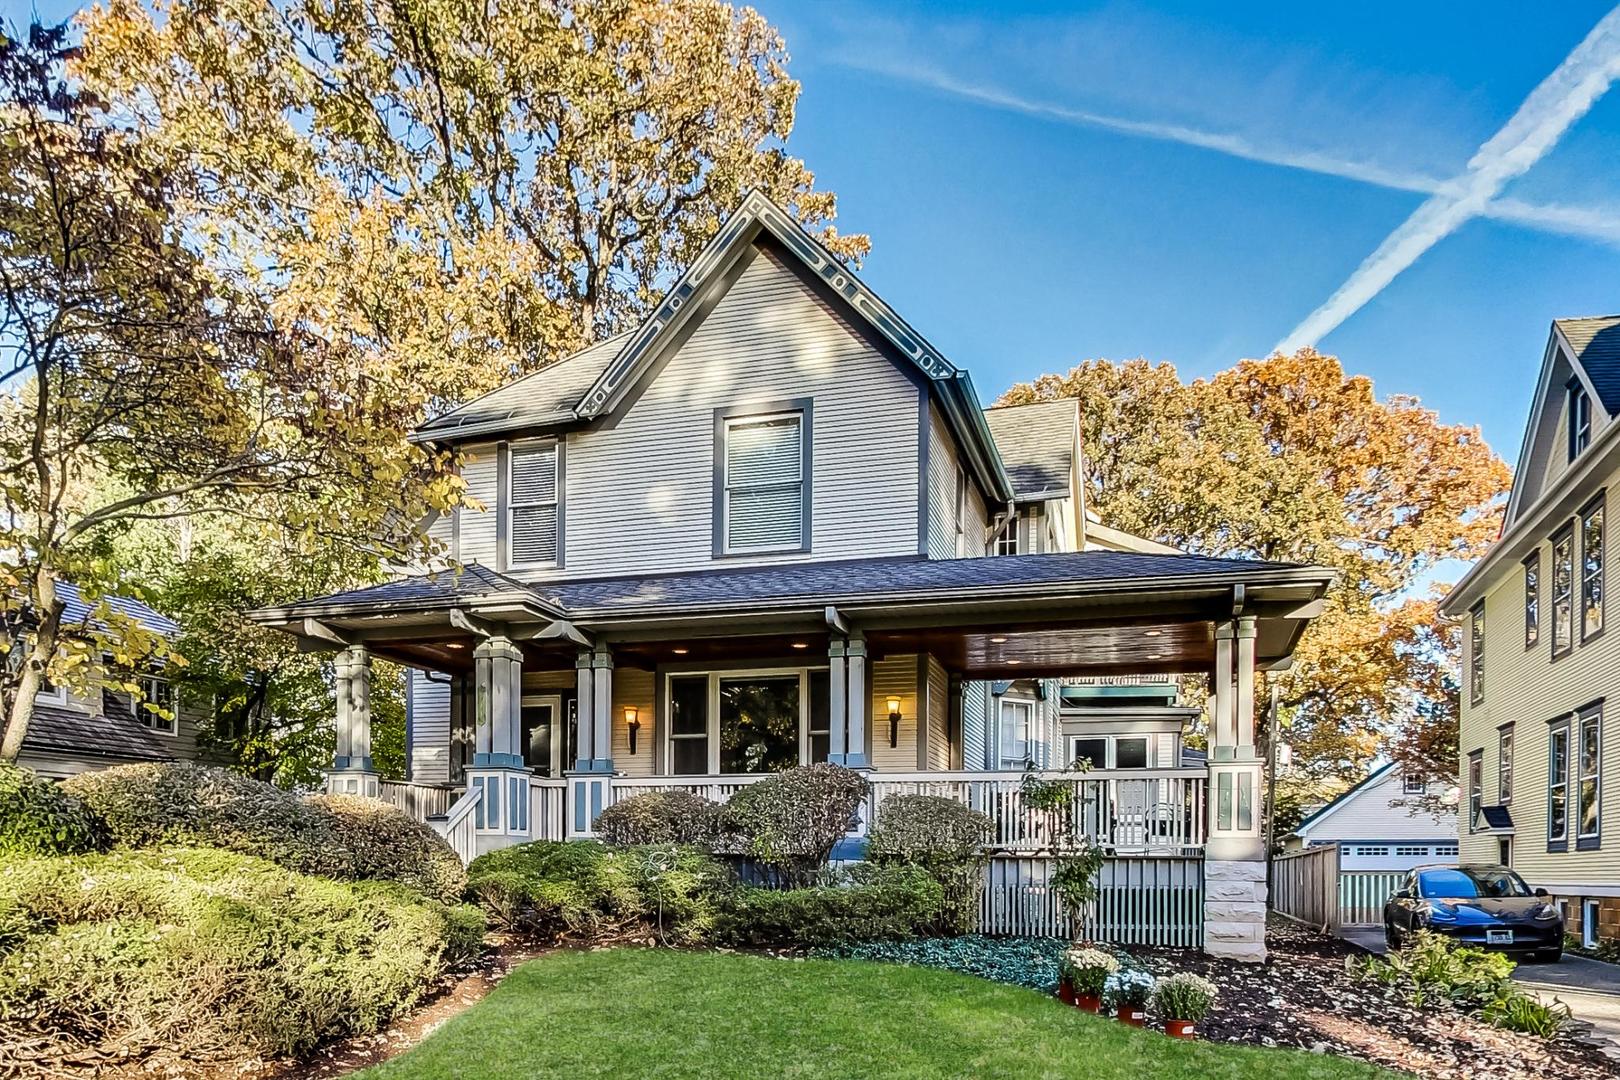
{"points": [[1022, 240]]}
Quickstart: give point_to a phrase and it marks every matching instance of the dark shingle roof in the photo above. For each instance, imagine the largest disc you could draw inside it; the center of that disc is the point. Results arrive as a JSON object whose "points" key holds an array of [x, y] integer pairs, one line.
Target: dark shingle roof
{"points": [[1596, 342], [420, 590], [115, 733], [77, 611], [1037, 444], [552, 391]]}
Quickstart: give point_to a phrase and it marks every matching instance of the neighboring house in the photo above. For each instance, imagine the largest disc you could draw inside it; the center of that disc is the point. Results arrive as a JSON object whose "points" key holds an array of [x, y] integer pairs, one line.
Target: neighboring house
{"points": [[1540, 740], [773, 525], [1375, 827], [73, 733]]}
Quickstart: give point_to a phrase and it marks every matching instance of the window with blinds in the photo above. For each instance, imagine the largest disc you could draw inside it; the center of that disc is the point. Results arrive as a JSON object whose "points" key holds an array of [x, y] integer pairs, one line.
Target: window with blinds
{"points": [[764, 483], [531, 498]]}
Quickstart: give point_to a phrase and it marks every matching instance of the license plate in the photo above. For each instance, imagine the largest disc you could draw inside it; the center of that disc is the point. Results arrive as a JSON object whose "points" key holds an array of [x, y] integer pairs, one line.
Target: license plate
{"points": [[1498, 937]]}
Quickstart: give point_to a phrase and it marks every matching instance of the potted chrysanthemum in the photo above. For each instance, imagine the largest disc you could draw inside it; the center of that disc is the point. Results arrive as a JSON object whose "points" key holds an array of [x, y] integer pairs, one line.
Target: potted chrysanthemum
{"points": [[1128, 992], [1085, 973], [1181, 1001]]}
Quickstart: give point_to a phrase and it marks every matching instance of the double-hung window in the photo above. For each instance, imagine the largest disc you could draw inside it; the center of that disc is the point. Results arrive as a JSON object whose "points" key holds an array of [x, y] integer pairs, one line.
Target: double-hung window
{"points": [[765, 483], [1532, 599], [154, 706], [1580, 419], [1592, 569], [1588, 788], [1504, 764], [1476, 784], [1563, 592], [533, 528], [1558, 786], [1476, 653], [1016, 720]]}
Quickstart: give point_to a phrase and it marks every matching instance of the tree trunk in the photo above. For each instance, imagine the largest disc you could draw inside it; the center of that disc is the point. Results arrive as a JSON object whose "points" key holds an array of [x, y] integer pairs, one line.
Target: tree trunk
{"points": [[32, 678]]}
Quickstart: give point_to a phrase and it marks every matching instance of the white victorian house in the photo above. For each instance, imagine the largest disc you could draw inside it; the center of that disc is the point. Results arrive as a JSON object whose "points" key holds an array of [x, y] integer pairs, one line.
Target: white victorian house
{"points": [[773, 525]]}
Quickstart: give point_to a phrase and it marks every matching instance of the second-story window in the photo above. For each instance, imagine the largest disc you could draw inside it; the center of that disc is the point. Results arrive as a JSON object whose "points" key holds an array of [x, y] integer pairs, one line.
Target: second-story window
{"points": [[154, 705], [1476, 785], [1476, 653], [1532, 599], [1007, 539], [765, 483], [1504, 765], [1563, 593], [1592, 569], [1588, 792], [1580, 419], [532, 500]]}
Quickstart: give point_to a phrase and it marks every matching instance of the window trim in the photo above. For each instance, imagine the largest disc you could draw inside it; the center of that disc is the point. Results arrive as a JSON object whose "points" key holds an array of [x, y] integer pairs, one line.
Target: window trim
{"points": [[55, 695], [1476, 787], [145, 717], [715, 676], [508, 463], [1009, 537], [1591, 917], [724, 418], [1413, 785], [1532, 599], [1504, 764], [1593, 714], [1566, 533], [1476, 653], [1555, 728], [1597, 505]]}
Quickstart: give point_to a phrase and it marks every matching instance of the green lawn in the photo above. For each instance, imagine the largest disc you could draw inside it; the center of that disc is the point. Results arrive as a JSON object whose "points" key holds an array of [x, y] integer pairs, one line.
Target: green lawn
{"points": [[645, 1012]]}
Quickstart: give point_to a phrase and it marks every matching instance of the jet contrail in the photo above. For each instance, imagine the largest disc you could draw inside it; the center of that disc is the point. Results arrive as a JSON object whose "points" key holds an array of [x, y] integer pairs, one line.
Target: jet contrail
{"points": [[1561, 99], [1583, 222]]}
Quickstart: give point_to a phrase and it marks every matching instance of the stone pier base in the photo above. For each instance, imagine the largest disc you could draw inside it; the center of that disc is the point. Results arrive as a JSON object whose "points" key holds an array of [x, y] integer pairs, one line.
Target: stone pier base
{"points": [[1235, 909]]}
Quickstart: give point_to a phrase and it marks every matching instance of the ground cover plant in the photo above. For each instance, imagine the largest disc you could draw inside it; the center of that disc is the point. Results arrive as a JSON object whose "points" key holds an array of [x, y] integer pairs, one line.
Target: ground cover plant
{"points": [[206, 955], [674, 1014], [1433, 966]]}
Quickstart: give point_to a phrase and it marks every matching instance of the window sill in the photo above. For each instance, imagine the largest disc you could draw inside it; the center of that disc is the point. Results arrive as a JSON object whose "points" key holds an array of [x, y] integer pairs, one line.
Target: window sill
{"points": [[1590, 843], [1557, 847]]}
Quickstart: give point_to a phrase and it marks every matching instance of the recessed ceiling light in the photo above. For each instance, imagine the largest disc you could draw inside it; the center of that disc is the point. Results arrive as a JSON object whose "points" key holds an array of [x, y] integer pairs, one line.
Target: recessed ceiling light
{"points": [[1155, 656], [1154, 633], [1015, 661], [998, 641], [679, 652], [801, 645]]}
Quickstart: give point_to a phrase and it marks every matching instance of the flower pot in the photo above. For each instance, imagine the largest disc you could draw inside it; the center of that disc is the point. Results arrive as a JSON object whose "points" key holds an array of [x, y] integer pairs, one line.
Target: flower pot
{"points": [[1180, 1029], [1134, 1015], [1065, 991], [1089, 1002]]}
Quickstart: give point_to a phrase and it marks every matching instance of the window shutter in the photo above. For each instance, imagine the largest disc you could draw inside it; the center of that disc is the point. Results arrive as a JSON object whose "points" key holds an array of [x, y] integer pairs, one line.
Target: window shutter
{"points": [[764, 484], [533, 497]]}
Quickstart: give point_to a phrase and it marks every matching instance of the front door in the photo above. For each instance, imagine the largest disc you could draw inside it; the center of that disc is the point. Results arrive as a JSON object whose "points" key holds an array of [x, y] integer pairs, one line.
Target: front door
{"points": [[544, 736]]}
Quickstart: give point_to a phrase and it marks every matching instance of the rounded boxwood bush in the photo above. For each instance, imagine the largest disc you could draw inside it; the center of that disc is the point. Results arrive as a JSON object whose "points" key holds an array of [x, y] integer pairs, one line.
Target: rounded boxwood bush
{"points": [[38, 818], [943, 837], [661, 817], [870, 903], [208, 955], [790, 822], [187, 804]]}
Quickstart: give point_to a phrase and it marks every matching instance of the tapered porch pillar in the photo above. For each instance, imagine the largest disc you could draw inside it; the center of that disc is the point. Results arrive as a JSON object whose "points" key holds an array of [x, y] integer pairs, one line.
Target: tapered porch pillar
{"points": [[590, 781], [497, 770], [352, 772], [1234, 853], [847, 702]]}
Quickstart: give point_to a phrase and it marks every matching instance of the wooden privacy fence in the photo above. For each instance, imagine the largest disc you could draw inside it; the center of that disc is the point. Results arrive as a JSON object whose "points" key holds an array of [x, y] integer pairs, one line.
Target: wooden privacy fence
{"points": [[1140, 901], [1305, 886]]}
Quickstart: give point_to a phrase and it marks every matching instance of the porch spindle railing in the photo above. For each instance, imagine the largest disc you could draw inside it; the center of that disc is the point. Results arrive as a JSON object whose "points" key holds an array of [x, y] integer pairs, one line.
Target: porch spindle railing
{"points": [[458, 825], [421, 801]]}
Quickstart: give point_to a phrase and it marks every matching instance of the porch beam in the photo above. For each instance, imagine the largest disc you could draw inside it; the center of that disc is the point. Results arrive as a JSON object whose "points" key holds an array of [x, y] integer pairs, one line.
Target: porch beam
{"points": [[473, 625], [316, 630]]}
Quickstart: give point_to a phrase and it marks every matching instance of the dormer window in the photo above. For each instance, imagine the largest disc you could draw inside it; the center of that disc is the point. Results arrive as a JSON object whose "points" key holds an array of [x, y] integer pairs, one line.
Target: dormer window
{"points": [[1580, 419]]}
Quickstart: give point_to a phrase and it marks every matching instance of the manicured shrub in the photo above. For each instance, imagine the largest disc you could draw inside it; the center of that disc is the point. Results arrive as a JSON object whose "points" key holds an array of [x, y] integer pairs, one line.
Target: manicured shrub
{"points": [[587, 892], [790, 822], [944, 838], [38, 818], [183, 803], [661, 817], [871, 904], [208, 955], [385, 843]]}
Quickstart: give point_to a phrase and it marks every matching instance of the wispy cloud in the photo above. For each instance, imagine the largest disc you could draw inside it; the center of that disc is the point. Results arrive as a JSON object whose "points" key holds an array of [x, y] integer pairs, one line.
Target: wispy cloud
{"points": [[1562, 98], [1594, 223]]}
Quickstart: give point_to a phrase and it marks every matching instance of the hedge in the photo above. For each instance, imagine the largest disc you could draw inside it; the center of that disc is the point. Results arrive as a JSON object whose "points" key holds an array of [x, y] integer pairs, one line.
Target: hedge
{"points": [[38, 818], [207, 955], [187, 804], [871, 904], [661, 817], [790, 821], [943, 837]]}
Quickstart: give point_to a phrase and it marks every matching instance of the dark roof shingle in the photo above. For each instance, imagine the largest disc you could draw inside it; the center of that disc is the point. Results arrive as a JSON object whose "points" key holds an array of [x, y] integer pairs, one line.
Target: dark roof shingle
{"points": [[543, 395], [115, 733], [1596, 341], [1037, 444]]}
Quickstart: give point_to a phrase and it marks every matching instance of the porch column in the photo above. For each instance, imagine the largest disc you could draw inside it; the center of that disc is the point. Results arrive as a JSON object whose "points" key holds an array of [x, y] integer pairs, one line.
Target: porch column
{"points": [[497, 770], [351, 772], [837, 701], [591, 779], [1234, 851], [602, 711], [857, 701], [584, 712]]}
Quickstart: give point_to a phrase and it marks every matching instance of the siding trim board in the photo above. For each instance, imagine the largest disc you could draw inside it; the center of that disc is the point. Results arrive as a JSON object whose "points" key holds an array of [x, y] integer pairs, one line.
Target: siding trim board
{"points": [[502, 496]]}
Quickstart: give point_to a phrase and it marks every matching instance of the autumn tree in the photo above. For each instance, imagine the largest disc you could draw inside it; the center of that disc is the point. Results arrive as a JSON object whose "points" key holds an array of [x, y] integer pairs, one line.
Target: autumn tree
{"points": [[473, 189], [141, 386], [1291, 459]]}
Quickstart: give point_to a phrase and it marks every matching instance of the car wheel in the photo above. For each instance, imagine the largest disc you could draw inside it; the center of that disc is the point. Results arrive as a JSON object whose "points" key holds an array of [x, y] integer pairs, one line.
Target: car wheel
{"points": [[1392, 940]]}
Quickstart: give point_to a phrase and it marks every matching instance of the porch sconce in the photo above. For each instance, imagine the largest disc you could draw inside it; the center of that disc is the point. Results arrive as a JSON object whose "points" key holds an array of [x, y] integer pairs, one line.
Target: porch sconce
{"points": [[894, 722], [631, 722]]}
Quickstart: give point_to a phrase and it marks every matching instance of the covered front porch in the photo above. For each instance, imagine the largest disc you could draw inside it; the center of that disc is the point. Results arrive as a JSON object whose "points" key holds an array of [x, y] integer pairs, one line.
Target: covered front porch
{"points": [[561, 698]]}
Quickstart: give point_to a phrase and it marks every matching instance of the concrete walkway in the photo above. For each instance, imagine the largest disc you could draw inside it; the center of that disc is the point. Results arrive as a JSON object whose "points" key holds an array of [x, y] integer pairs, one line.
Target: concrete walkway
{"points": [[1590, 988]]}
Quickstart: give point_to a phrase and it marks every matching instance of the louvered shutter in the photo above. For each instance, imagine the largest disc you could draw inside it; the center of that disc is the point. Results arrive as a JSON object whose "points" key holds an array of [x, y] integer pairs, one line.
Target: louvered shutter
{"points": [[532, 494], [764, 483]]}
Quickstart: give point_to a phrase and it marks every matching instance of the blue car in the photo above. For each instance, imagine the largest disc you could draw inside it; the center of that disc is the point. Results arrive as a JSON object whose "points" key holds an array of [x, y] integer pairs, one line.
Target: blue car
{"points": [[1487, 906]]}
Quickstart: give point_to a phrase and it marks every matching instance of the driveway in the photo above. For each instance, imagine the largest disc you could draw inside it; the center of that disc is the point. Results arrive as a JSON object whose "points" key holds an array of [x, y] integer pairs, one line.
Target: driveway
{"points": [[1590, 988]]}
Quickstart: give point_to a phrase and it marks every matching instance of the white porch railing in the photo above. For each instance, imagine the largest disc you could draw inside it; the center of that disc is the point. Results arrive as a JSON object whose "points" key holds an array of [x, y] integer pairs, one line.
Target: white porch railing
{"points": [[421, 801], [459, 825], [548, 809]]}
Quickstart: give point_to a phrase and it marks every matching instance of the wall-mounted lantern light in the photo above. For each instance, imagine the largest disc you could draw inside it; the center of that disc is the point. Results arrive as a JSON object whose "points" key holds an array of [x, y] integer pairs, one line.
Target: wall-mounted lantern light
{"points": [[634, 724], [894, 721]]}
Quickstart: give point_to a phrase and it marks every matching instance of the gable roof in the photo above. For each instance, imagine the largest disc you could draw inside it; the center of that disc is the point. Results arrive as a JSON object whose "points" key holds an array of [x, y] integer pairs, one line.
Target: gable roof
{"points": [[1344, 797], [552, 395], [1037, 446], [1594, 343]]}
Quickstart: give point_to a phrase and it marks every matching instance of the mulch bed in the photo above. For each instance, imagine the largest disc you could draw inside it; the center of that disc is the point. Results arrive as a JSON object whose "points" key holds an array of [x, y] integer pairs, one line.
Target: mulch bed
{"points": [[1304, 997]]}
